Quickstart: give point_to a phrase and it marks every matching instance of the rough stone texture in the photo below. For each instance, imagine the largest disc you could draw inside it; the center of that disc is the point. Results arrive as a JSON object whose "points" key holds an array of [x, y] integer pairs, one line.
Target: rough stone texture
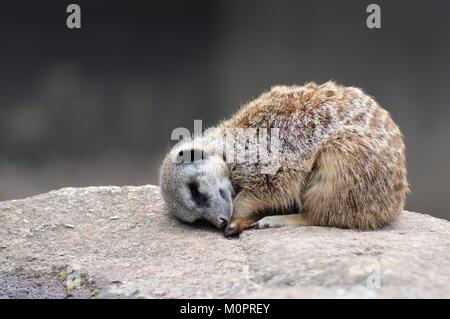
{"points": [[118, 242]]}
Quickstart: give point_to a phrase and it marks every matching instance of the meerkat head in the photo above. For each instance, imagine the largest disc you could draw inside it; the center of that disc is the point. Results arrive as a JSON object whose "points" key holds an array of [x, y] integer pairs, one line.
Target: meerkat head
{"points": [[195, 184]]}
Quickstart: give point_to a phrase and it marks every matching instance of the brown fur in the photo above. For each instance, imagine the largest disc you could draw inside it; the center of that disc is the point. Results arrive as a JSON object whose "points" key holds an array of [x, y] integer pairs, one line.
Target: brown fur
{"points": [[342, 164]]}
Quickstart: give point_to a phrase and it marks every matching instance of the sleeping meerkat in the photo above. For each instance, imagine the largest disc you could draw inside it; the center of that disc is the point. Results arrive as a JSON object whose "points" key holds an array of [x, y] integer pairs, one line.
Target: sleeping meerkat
{"points": [[341, 163]]}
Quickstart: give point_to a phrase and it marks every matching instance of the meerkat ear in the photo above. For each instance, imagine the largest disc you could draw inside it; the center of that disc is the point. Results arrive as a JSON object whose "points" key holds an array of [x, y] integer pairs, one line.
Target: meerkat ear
{"points": [[190, 155]]}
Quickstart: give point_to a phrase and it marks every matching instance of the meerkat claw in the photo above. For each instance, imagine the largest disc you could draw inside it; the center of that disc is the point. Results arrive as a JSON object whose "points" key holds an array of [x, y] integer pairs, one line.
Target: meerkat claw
{"points": [[263, 223], [259, 225]]}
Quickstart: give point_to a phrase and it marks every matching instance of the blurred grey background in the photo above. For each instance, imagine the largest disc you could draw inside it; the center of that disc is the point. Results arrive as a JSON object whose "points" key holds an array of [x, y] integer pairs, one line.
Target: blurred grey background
{"points": [[96, 106]]}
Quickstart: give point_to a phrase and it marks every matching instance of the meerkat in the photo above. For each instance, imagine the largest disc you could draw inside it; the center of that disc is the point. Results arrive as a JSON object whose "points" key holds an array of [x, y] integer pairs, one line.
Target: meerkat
{"points": [[342, 164]]}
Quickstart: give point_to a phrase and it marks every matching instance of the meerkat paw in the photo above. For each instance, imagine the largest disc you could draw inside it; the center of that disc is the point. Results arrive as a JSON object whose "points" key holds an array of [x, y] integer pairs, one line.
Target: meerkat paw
{"points": [[235, 227], [268, 222], [280, 221], [232, 230]]}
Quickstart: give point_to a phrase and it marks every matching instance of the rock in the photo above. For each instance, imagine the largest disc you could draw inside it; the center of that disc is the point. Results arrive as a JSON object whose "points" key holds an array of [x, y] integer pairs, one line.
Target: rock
{"points": [[123, 243]]}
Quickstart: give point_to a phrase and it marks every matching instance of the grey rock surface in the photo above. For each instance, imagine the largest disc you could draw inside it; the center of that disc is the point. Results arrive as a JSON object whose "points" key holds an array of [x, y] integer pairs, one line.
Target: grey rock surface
{"points": [[120, 242]]}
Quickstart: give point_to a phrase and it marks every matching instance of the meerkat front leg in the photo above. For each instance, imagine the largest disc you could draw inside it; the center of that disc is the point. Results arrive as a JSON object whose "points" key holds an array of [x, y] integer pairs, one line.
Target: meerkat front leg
{"points": [[281, 220], [246, 211]]}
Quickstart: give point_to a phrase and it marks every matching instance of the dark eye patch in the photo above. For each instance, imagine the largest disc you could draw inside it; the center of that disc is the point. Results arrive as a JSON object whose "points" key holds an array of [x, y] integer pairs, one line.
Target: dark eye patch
{"points": [[199, 199], [223, 194]]}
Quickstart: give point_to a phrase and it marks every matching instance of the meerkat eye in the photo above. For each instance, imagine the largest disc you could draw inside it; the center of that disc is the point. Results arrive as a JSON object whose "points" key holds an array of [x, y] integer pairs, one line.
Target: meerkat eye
{"points": [[200, 199], [223, 194]]}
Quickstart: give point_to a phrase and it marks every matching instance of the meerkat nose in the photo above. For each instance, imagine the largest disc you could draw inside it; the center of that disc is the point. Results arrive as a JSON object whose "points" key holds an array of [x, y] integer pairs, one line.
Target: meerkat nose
{"points": [[223, 222]]}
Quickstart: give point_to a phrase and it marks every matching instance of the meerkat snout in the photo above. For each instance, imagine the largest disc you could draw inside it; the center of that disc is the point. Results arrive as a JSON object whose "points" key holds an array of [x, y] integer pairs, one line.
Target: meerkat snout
{"points": [[197, 189]]}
